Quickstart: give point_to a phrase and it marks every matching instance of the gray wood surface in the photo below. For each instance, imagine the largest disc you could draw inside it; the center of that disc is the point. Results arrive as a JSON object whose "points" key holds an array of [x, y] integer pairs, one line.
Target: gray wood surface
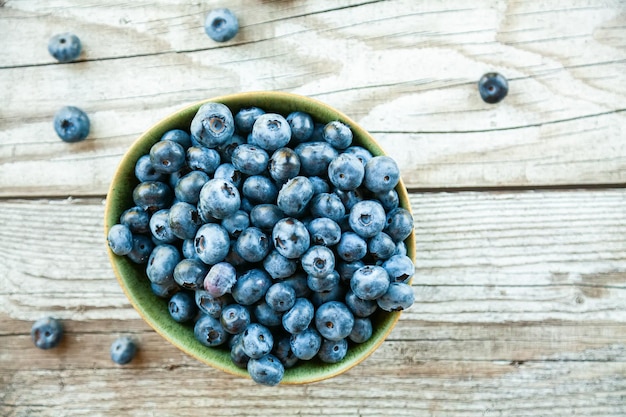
{"points": [[520, 210]]}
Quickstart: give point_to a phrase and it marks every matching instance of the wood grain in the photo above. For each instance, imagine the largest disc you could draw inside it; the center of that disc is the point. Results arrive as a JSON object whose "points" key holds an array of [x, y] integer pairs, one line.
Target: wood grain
{"points": [[405, 72]]}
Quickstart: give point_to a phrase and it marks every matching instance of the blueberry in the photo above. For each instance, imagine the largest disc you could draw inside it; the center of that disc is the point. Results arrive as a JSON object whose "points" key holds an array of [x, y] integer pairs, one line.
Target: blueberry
{"points": [[369, 282], [381, 174], [179, 136], [136, 219], [120, 239], [270, 132], [399, 224], [142, 248], [219, 198], [167, 156], [144, 170], [209, 305], [220, 279], [221, 25], [351, 247], [267, 370], [212, 125], [324, 231], [160, 227], [323, 283], [362, 330], [152, 196], [298, 282], [188, 249], [350, 198], [257, 340], [251, 286], [245, 118], [337, 134], [252, 244], [71, 124], [162, 262], [337, 293], [400, 268], [334, 320], [174, 178], [259, 189], [299, 316], [301, 125], [493, 87], [280, 297], [367, 218], [209, 331], [282, 351], [346, 269], [188, 187], [203, 159], [235, 318], [123, 350], [182, 307], [211, 243], [346, 172], [319, 185], [65, 47], [46, 333], [277, 266], [290, 238], [315, 157], [236, 223], [318, 261], [237, 355], [306, 344], [295, 195], [401, 249], [250, 159], [165, 290], [381, 246], [399, 296], [333, 351], [266, 315], [184, 220], [360, 152], [227, 171], [265, 216], [360, 307], [190, 273], [327, 205], [283, 165], [227, 148]]}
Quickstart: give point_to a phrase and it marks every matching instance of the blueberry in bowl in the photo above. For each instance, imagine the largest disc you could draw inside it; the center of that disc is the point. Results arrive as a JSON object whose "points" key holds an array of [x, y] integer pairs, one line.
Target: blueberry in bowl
{"points": [[265, 234]]}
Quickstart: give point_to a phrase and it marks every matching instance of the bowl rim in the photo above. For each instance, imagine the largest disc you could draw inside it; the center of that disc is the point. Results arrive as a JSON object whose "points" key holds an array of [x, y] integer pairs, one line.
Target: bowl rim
{"points": [[252, 98]]}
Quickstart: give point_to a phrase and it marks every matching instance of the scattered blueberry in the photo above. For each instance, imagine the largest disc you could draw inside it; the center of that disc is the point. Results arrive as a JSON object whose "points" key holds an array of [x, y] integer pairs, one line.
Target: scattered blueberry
{"points": [[123, 350], [46, 333], [493, 87], [71, 124], [65, 47], [221, 25]]}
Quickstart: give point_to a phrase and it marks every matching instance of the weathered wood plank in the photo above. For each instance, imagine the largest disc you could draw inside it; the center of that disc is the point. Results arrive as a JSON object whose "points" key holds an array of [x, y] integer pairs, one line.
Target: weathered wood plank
{"points": [[563, 96], [481, 257]]}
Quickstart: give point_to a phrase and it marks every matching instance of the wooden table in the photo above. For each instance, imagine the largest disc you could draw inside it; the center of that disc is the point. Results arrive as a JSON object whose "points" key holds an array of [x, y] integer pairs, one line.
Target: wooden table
{"points": [[520, 207]]}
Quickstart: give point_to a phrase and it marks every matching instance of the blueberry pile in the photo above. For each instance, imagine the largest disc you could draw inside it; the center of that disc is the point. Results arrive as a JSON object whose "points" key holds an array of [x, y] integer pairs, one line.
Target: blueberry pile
{"points": [[274, 235]]}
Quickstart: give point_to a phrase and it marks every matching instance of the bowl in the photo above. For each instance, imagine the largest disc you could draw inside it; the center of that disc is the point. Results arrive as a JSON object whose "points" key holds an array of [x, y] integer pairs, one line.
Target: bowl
{"points": [[153, 310]]}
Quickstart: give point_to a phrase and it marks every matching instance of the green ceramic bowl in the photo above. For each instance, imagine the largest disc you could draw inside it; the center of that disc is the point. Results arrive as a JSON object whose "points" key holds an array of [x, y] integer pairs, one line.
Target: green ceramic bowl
{"points": [[136, 285]]}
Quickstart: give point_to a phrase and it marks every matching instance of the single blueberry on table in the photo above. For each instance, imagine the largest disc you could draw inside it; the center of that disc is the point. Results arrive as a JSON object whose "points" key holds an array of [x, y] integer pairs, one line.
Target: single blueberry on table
{"points": [[270, 132], [337, 134], [333, 351], [220, 279], [302, 126], [212, 125], [280, 297], [267, 370], [245, 118], [381, 174], [162, 262], [65, 47], [123, 350], [251, 286], [235, 318], [167, 156], [209, 331], [257, 340], [369, 282], [334, 320], [283, 165], [182, 307], [211, 243], [179, 136], [290, 237], [120, 239], [190, 274], [71, 124], [46, 332], [306, 344], [136, 219], [221, 25], [299, 316], [493, 87], [399, 296]]}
